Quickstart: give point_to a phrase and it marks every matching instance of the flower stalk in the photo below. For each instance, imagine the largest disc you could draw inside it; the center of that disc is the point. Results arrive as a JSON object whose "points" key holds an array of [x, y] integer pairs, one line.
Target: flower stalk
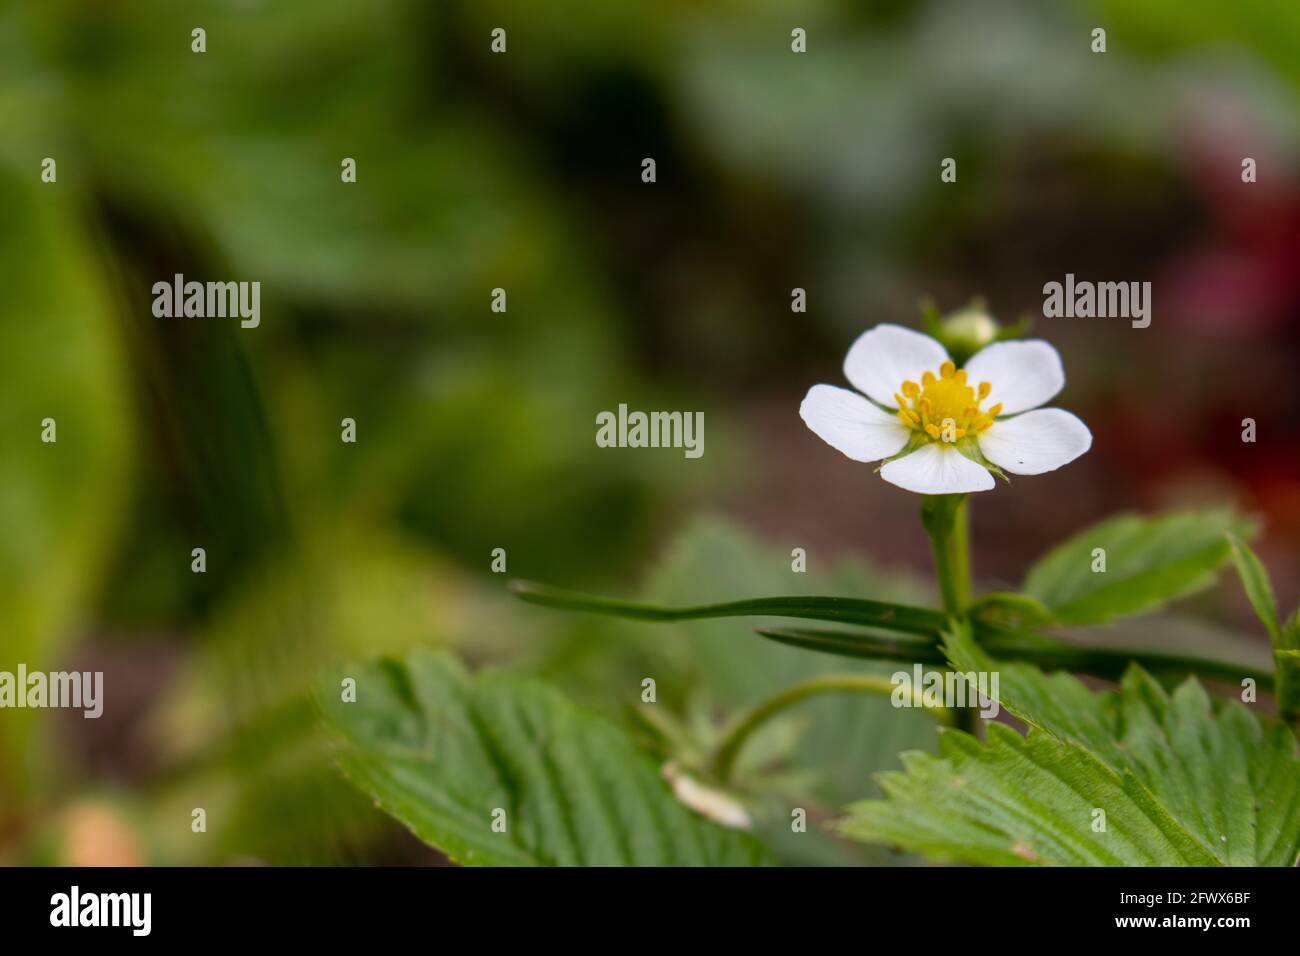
{"points": [[724, 759], [944, 517], [946, 522]]}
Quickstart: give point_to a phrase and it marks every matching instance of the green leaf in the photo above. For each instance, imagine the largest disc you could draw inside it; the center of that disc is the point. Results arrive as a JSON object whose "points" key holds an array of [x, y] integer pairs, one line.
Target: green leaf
{"points": [[1148, 562], [440, 751], [1015, 610], [1181, 781], [61, 502], [859, 644], [895, 617], [843, 738], [1043, 651], [1254, 578], [1019, 801]]}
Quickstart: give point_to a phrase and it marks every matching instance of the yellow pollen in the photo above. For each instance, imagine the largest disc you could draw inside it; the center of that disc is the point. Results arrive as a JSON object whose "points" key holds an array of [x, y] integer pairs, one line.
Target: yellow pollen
{"points": [[945, 406]]}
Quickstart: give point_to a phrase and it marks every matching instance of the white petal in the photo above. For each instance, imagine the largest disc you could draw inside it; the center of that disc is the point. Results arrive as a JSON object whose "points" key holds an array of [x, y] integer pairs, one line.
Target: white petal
{"points": [[884, 357], [1035, 442], [714, 804], [1023, 375], [850, 424], [937, 469]]}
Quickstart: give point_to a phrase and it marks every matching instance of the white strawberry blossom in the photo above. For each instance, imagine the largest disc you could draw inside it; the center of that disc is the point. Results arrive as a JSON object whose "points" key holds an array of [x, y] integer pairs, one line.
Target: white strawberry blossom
{"points": [[938, 428]]}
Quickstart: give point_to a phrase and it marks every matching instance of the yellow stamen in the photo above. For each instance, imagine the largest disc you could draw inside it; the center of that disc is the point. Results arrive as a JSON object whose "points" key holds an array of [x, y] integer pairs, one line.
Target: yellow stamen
{"points": [[945, 406]]}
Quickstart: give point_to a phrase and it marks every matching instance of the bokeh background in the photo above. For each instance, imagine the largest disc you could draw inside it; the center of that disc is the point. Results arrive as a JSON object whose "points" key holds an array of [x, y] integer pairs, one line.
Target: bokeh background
{"points": [[476, 429]]}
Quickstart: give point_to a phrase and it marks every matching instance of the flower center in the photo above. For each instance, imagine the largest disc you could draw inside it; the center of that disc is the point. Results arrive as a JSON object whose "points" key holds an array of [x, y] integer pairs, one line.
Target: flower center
{"points": [[944, 407]]}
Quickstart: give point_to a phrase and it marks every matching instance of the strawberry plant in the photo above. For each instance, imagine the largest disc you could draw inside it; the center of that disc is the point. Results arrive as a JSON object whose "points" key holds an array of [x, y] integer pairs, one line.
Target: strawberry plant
{"points": [[1139, 764]]}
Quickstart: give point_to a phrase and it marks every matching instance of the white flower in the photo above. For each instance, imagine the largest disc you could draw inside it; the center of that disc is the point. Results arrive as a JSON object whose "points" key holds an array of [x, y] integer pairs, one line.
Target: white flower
{"points": [[939, 426]]}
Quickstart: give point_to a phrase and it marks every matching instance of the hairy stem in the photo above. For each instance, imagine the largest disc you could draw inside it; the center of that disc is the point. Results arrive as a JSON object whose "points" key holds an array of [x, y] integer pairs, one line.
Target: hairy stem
{"points": [[724, 759], [944, 517]]}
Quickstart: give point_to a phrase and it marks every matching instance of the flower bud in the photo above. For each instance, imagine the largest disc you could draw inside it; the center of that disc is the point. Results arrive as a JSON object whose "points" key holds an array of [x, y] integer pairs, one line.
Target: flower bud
{"points": [[966, 331]]}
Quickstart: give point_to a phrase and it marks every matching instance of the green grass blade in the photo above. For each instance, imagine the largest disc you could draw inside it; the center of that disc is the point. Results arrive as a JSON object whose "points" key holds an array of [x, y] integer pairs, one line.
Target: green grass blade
{"points": [[894, 617], [1053, 655], [860, 645]]}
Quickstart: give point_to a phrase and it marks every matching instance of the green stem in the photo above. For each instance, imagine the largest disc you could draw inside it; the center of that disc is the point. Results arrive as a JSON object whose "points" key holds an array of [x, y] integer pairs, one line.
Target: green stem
{"points": [[1286, 685], [725, 758], [944, 517]]}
